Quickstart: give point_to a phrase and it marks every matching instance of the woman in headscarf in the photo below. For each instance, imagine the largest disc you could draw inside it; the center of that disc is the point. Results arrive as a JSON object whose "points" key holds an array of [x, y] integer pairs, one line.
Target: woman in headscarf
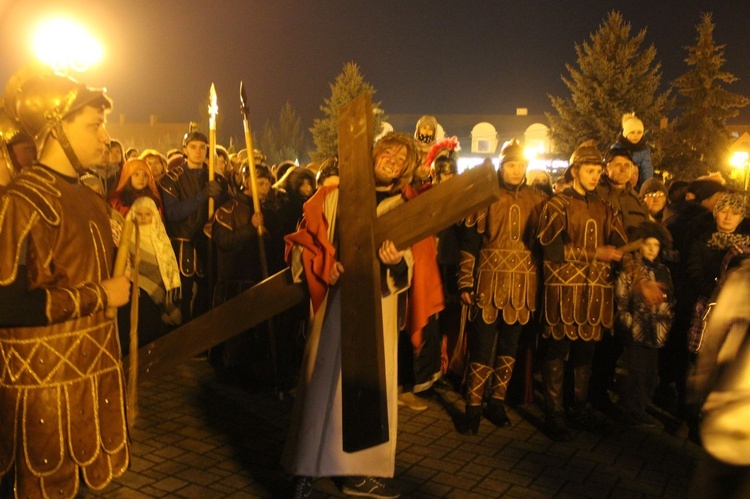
{"points": [[158, 276], [136, 181]]}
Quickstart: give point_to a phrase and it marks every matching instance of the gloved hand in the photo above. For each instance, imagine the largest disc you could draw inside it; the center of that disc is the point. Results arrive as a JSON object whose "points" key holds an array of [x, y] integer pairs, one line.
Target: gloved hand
{"points": [[212, 189]]}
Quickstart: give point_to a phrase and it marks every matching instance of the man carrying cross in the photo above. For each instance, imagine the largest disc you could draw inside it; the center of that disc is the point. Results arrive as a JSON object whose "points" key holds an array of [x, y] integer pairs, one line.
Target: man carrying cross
{"points": [[314, 447]]}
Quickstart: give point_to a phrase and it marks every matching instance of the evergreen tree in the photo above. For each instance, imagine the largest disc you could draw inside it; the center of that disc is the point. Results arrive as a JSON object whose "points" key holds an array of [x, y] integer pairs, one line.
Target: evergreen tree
{"points": [[285, 141], [348, 85], [697, 141], [614, 76]]}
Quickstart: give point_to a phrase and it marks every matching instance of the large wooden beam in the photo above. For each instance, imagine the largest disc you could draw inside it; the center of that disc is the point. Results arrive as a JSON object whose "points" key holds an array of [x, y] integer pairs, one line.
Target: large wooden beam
{"points": [[439, 207], [256, 305], [424, 215], [364, 402]]}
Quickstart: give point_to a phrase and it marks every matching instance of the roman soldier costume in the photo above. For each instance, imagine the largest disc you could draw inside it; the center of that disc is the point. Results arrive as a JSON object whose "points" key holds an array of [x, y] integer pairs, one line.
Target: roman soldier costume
{"points": [[61, 380], [499, 265], [578, 292]]}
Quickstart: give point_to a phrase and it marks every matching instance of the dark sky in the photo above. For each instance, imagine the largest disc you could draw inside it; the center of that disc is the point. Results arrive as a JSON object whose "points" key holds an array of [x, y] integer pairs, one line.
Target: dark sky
{"points": [[432, 57]]}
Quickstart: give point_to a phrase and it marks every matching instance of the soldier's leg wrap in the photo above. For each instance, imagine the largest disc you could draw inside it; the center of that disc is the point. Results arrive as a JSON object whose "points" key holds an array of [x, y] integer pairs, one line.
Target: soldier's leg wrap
{"points": [[478, 376], [507, 345]]}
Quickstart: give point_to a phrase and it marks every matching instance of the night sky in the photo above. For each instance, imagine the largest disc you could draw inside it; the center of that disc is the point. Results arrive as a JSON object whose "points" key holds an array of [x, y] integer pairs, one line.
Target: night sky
{"points": [[431, 57]]}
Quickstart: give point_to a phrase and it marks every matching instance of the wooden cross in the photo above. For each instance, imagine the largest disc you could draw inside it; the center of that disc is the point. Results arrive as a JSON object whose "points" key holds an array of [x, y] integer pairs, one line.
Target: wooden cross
{"points": [[360, 234]]}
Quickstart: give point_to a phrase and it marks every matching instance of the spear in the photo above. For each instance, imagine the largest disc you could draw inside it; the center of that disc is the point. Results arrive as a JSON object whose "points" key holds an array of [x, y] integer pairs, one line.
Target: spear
{"points": [[256, 209], [213, 110], [253, 181]]}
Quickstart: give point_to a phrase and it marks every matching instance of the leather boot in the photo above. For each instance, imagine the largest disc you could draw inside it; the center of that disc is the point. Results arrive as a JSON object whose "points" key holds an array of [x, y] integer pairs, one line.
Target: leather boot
{"points": [[553, 372], [581, 416], [472, 417], [495, 412], [478, 375]]}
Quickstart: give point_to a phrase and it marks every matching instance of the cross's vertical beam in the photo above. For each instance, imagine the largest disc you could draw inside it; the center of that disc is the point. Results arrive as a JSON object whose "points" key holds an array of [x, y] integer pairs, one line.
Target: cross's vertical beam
{"points": [[365, 412]]}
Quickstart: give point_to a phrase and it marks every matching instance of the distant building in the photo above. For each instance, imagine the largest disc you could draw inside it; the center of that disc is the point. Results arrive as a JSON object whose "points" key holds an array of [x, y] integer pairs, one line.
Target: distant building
{"points": [[151, 135]]}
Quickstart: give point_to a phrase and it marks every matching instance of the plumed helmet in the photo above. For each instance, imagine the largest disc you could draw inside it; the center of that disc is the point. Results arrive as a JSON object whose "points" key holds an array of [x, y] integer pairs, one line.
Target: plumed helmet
{"points": [[512, 151], [44, 100], [586, 153]]}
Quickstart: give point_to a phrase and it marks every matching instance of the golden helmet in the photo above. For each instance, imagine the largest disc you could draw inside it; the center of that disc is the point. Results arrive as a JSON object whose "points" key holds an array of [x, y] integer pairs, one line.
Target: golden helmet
{"points": [[43, 100]]}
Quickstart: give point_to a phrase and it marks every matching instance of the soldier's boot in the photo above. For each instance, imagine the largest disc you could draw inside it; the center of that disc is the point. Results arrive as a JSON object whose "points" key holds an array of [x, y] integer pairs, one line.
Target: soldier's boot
{"points": [[478, 376], [581, 415], [495, 412], [555, 427]]}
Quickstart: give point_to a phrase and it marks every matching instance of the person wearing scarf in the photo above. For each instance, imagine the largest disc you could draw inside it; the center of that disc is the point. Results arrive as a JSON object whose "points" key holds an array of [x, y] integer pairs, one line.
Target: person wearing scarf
{"points": [[158, 276], [135, 181], [704, 263]]}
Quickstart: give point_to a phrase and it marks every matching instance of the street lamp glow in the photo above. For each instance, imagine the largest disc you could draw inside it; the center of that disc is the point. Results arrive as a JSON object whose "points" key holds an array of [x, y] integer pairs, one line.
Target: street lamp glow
{"points": [[62, 44], [739, 159]]}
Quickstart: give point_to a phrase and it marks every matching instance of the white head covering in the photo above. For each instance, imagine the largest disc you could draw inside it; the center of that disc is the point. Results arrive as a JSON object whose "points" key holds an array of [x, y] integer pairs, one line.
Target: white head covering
{"points": [[155, 240]]}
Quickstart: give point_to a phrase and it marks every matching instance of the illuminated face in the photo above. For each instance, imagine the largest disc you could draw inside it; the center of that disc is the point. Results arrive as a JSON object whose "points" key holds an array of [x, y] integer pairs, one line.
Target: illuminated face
{"points": [[586, 177], [655, 201], [195, 152], [427, 129], [157, 167], [635, 136], [115, 154], [87, 136], [619, 170], [513, 172], [24, 152], [650, 248], [221, 164], [390, 164], [143, 216], [727, 219], [442, 177], [139, 180], [305, 190], [263, 185]]}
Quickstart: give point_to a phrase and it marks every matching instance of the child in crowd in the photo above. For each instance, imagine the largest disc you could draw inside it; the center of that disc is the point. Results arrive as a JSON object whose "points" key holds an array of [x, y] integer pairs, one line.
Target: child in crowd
{"points": [[635, 140], [645, 308], [135, 181], [158, 277]]}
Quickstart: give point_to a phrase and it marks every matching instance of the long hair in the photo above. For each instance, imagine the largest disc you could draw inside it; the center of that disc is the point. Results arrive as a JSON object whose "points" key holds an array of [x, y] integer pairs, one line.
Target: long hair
{"points": [[412, 156]]}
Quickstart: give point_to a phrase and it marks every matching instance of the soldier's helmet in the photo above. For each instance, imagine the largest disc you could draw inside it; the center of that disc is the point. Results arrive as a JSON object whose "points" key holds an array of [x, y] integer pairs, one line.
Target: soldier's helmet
{"points": [[44, 99], [512, 151], [587, 153]]}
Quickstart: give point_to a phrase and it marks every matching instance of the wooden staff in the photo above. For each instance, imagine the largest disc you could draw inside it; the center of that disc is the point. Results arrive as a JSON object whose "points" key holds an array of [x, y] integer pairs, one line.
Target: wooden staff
{"points": [[253, 181], [261, 230], [631, 246], [213, 110], [121, 259]]}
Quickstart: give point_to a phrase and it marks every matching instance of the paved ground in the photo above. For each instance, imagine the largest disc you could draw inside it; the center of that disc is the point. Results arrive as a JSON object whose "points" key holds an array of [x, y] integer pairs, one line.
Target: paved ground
{"points": [[196, 437]]}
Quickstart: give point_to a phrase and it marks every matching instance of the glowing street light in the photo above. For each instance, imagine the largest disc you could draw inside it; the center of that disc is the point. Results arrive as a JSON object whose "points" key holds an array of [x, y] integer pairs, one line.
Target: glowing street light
{"points": [[63, 45], [739, 160]]}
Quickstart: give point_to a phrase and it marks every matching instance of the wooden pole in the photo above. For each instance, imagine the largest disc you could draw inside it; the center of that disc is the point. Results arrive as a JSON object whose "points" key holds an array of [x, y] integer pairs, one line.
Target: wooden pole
{"points": [[121, 260]]}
